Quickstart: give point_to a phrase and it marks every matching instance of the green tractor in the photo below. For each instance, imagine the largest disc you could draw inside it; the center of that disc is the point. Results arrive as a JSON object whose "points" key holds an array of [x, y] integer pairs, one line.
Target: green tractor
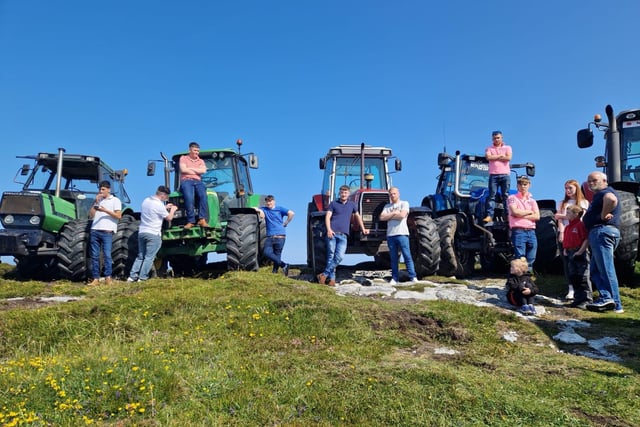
{"points": [[234, 224], [365, 170], [47, 225], [621, 164]]}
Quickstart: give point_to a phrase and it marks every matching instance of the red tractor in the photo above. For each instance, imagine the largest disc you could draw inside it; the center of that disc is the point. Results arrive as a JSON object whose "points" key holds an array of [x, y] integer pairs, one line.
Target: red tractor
{"points": [[365, 170]]}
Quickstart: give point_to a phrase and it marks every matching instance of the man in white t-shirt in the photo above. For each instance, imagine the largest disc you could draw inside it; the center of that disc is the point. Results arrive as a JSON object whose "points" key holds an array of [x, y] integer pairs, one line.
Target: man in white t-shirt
{"points": [[105, 212], [395, 213], [152, 213]]}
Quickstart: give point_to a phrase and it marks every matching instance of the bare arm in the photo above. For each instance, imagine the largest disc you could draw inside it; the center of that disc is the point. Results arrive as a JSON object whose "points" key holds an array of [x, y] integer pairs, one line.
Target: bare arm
{"points": [[290, 215]]}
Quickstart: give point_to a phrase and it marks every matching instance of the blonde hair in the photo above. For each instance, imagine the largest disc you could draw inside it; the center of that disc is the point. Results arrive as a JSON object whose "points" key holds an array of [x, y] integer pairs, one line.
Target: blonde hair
{"points": [[576, 210], [579, 195], [520, 266]]}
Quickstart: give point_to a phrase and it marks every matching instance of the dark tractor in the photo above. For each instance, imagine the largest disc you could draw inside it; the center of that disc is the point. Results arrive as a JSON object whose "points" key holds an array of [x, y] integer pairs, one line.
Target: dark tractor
{"points": [[46, 224], [234, 225], [621, 164], [458, 206], [365, 170]]}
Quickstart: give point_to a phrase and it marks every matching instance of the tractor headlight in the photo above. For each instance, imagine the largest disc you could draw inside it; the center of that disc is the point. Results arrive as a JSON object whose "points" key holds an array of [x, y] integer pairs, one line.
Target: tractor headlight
{"points": [[34, 220], [9, 219]]}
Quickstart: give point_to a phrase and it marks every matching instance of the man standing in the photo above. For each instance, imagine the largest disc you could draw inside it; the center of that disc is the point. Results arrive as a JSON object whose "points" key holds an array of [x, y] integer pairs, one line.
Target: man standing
{"points": [[395, 213], [191, 186], [338, 223], [274, 217], [523, 214], [499, 156], [602, 221], [152, 213], [105, 212]]}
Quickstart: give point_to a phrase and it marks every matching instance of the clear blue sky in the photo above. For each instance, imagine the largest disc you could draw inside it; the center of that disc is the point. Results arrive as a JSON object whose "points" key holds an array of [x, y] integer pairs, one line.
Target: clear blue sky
{"points": [[128, 79]]}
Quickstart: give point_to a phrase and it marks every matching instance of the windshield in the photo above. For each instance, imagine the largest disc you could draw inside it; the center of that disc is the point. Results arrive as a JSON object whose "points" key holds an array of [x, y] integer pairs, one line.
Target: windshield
{"points": [[474, 177], [630, 139], [346, 171]]}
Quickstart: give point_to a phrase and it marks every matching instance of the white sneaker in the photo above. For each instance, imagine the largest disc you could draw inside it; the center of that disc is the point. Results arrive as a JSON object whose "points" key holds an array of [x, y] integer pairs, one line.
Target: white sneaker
{"points": [[619, 311], [131, 279], [414, 280], [393, 282]]}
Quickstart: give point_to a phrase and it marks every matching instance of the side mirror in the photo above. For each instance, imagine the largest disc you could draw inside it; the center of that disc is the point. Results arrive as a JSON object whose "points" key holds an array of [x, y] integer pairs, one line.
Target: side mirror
{"points": [[443, 159], [531, 169], [585, 138], [322, 163], [151, 168], [253, 161], [24, 170], [398, 165]]}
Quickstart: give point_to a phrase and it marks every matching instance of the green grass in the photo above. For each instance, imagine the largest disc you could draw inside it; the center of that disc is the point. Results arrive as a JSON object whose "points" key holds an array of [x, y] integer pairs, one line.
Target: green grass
{"points": [[259, 349]]}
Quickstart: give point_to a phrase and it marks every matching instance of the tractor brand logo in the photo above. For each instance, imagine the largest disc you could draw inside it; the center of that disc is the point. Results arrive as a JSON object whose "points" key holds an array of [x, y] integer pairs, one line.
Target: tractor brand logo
{"points": [[631, 124], [479, 166], [631, 116]]}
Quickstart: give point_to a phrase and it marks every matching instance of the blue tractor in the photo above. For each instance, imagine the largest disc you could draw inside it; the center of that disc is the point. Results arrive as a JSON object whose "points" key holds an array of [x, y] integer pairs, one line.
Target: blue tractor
{"points": [[458, 206]]}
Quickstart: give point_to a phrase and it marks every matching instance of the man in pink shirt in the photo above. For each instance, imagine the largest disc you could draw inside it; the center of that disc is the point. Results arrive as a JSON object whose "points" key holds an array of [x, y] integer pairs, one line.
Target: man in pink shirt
{"points": [[523, 214], [499, 156], [191, 169]]}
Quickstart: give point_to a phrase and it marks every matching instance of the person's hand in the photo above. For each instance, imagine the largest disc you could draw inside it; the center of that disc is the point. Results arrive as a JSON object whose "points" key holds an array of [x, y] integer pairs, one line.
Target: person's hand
{"points": [[330, 234], [365, 231], [526, 291]]}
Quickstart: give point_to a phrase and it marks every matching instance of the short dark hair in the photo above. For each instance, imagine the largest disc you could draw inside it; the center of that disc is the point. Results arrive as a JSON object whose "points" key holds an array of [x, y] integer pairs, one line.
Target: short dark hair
{"points": [[105, 184], [268, 198], [496, 132], [194, 144], [163, 189]]}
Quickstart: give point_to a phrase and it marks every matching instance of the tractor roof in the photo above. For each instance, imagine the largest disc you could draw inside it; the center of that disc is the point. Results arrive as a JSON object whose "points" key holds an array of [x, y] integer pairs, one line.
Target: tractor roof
{"points": [[355, 150]]}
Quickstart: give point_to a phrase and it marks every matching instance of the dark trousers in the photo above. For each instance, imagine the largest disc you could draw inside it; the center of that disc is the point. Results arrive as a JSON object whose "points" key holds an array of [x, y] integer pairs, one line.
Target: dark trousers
{"points": [[578, 273]]}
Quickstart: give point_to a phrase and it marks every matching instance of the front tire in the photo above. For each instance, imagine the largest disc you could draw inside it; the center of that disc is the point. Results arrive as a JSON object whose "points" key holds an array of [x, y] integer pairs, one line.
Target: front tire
{"points": [[453, 261], [243, 242], [425, 243]]}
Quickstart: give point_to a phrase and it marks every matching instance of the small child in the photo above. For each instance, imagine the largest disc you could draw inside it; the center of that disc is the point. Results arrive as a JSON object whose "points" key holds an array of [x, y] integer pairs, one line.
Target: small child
{"points": [[574, 246], [521, 289]]}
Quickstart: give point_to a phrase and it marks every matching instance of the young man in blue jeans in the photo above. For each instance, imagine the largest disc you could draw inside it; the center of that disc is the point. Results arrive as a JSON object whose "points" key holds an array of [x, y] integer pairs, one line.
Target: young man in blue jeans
{"points": [[338, 222], [276, 219]]}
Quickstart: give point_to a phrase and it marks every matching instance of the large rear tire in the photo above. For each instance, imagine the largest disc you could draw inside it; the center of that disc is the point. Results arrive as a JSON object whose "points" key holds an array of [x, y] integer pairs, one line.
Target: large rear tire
{"points": [[425, 243], [243, 242], [125, 246], [548, 253], [73, 253], [627, 251], [318, 244]]}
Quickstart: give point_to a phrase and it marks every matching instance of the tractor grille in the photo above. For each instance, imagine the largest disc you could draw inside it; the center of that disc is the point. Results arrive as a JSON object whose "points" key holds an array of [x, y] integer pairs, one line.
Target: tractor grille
{"points": [[371, 205], [21, 203]]}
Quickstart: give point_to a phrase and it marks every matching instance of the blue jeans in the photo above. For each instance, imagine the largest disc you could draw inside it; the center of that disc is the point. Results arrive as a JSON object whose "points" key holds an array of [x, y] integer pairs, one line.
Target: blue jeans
{"points": [[273, 250], [400, 243], [495, 181], [525, 244], [101, 240], [191, 189], [148, 246], [603, 241], [336, 248]]}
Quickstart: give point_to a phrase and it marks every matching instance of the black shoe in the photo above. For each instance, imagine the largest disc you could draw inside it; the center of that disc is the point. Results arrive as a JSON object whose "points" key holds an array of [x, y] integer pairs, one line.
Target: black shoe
{"points": [[285, 270], [601, 305]]}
